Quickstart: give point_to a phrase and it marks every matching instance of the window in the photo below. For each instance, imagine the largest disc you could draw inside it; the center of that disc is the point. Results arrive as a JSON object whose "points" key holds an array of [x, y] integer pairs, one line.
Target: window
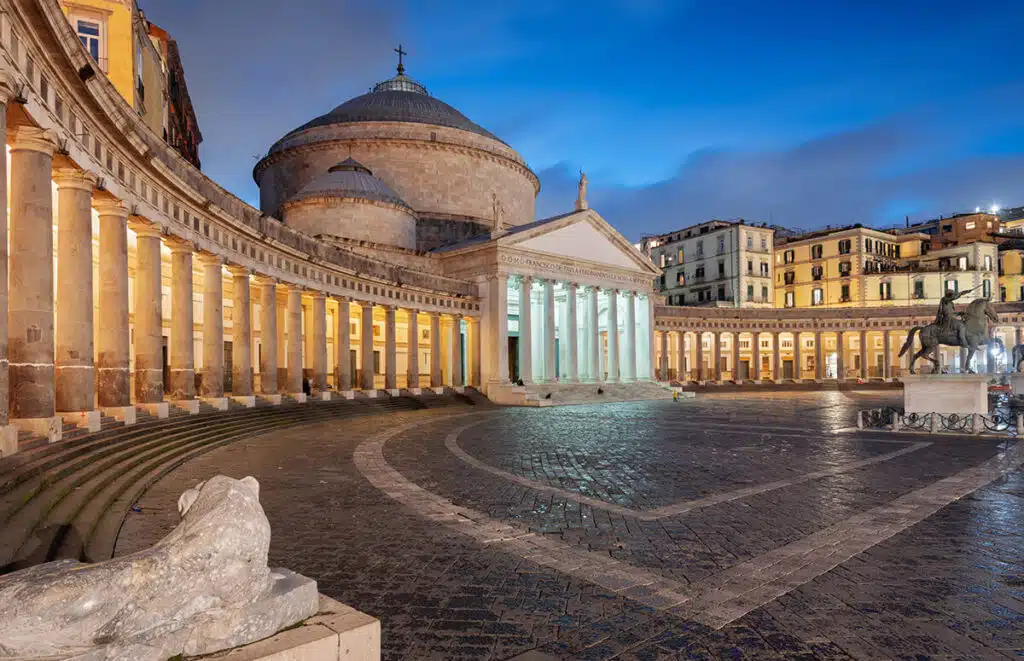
{"points": [[844, 247], [844, 293], [700, 248], [721, 292], [816, 272], [750, 266], [817, 297], [89, 35], [764, 269], [721, 269], [816, 251], [663, 260], [988, 262], [986, 288], [764, 243], [885, 291], [750, 292], [844, 268], [867, 245], [1002, 293], [961, 263], [919, 289], [376, 362], [698, 274], [680, 278], [969, 225], [787, 257], [721, 245], [953, 286], [764, 294], [750, 242], [680, 256], [789, 299], [789, 277]]}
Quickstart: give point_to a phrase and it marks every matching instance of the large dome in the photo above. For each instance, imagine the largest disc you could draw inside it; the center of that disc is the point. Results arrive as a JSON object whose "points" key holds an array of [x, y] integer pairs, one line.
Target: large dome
{"points": [[399, 99]]}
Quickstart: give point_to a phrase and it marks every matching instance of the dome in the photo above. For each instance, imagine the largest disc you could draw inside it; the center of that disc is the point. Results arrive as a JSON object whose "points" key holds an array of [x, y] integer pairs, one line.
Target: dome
{"points": [[398, 99], [349, 179]]}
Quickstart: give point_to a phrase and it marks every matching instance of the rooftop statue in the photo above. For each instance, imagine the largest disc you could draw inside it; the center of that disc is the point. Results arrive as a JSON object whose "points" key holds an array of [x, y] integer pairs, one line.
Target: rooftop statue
{"points": [[202, 588], [581, 192], [969, 329]]}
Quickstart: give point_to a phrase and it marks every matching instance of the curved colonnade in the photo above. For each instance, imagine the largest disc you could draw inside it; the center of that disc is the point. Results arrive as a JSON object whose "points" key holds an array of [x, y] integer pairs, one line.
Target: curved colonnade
{"points": [[150, 297]]}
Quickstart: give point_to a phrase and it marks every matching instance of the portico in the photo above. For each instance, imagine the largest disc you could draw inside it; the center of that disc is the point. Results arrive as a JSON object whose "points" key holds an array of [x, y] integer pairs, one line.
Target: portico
{"points": [[567, 300]]}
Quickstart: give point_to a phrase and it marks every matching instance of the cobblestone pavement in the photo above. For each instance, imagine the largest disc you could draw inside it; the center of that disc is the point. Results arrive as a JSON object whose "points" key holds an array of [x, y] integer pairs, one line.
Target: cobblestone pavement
{"points": [[734, 526]]}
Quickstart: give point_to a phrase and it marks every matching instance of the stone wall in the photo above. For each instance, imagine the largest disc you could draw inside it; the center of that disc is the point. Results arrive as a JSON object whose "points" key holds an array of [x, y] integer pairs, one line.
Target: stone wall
{"points": [[352, 219], [433, 232], [435, 170]]}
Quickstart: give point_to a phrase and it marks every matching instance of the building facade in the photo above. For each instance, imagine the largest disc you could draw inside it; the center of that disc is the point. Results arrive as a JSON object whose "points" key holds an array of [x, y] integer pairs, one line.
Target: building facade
{"points": [[718, 263]]}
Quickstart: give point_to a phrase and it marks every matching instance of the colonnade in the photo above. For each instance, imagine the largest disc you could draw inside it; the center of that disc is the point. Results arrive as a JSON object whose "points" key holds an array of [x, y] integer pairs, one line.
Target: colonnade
{"points": [[78, 349], [776, 355], [562, 331]]}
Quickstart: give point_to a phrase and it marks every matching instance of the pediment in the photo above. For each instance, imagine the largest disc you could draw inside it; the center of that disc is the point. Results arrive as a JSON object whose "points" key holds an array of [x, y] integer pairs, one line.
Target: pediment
{"points": [[583, 236]]}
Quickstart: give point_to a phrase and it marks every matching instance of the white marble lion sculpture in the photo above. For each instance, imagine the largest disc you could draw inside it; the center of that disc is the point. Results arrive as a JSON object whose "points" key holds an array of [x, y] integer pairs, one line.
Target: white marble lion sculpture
{"points": [[202, 588]]}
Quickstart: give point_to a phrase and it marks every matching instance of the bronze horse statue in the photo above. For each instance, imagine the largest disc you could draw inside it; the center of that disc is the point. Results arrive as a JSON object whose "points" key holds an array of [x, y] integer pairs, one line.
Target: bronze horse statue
{"points": [[975, 321]]}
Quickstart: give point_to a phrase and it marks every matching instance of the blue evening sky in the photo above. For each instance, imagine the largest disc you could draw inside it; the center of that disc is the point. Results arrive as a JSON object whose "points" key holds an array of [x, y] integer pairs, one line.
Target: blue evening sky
{"points": [[798, 112]]}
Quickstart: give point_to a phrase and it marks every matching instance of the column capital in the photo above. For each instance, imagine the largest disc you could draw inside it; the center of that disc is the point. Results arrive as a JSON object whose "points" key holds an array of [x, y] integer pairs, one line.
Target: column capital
{"points": [[107, 206], [210, 259], [316, 293], [31, 138], [178, 245], [364, 305], [7, 84], [143, 227], [238, 270], [265, 280], [74, 178]]}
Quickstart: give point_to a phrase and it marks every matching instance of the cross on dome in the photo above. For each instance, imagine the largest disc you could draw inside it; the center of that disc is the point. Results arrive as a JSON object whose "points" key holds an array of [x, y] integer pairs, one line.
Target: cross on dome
{"points": [[401, 68]]}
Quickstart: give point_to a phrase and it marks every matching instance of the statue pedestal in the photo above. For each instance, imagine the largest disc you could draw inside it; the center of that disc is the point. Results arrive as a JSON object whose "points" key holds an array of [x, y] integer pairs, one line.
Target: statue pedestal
{"points": [[945, 393]]}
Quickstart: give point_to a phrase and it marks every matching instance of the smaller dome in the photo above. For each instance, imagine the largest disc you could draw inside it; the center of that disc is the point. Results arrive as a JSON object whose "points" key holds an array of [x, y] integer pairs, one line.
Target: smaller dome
{"points": [[351, 179]]}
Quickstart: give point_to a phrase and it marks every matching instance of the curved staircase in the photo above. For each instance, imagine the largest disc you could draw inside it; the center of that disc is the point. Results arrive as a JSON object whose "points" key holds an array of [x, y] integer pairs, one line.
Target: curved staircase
{"points": [[68, 499]]}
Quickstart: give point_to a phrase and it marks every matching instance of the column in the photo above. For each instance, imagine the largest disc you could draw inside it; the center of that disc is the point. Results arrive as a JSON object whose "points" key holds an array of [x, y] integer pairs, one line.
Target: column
{"points": [[863, 355], [629, 350], [840, 358], [1019, 335], [736, 356], [212, 384], [699, 341], [30, 298], [390, 349], [681, 374], [268, 335], [8, 433], [594, 335], [716, 355], [755, 362], [494, 330], [113, 380], [149, 349], [526, 329], [293, 326], [456, 345], [887, 353], [342, 346], [571, 333], [650, 337], [474, 350], [548, 305], [435, 349], [241, 333], [819, 369], [74, 375], [412, 374], [776, 357], [613, 336], [181, 349], [366, 347], [797, 371], [662, 374], [319, 342]]}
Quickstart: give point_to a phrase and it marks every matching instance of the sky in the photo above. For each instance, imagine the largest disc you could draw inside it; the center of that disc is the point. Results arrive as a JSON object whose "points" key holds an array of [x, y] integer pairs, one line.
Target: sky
{"points": [[795, 112]]}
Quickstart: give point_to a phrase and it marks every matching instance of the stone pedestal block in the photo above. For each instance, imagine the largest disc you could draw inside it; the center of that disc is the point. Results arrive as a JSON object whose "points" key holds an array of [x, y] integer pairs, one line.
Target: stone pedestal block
{"points": [[394, 392], [272, 399], [299, 397], [347, 394], [219, 403], [126, 414], [416, 391], [160, 410], [8, 440], [189, 405], [248, 401], [945, 393], [52, 427], [86, 419]]}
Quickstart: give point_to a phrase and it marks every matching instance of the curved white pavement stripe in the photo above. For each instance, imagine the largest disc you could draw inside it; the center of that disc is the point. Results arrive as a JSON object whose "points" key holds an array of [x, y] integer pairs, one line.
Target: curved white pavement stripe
{"points": [[452, 443], [715, 601]]}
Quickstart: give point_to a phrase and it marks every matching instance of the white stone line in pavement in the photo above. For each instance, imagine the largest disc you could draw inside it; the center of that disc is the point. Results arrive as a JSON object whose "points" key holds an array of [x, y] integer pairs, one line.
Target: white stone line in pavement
{"points": [[717, 600], [733, 593], [452, 443]]}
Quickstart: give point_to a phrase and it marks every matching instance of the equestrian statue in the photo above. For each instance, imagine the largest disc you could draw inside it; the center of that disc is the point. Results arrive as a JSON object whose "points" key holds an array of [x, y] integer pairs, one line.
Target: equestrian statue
{"points": [[969, 329]]}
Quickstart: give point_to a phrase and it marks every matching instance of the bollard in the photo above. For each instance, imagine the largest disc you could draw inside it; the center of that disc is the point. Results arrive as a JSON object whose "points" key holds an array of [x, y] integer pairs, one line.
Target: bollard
{"points": [[1020, 425], [860, 419]]}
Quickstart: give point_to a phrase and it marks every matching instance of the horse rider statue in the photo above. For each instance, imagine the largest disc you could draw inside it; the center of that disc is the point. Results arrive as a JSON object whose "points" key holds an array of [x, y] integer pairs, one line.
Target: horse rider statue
{"points": [[968, 329]]}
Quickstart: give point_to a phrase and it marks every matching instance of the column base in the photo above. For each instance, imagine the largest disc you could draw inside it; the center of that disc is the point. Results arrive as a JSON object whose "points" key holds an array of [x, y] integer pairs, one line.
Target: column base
{"points": [[219, 403], [50, 428], [324, 395], [415, 391], [459, 389], [347, 394], [299, 397], [190, 406], [393, 392], [8, 440], [159, 410], [90, 420], [371, 393], [438, 390], [271, 399], [248, 401], [126, 414]]}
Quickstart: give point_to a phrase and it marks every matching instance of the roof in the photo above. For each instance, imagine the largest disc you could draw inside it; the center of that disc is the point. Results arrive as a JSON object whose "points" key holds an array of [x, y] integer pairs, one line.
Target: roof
{"points": [[486, 236], [398, 99], [349, 179]]}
